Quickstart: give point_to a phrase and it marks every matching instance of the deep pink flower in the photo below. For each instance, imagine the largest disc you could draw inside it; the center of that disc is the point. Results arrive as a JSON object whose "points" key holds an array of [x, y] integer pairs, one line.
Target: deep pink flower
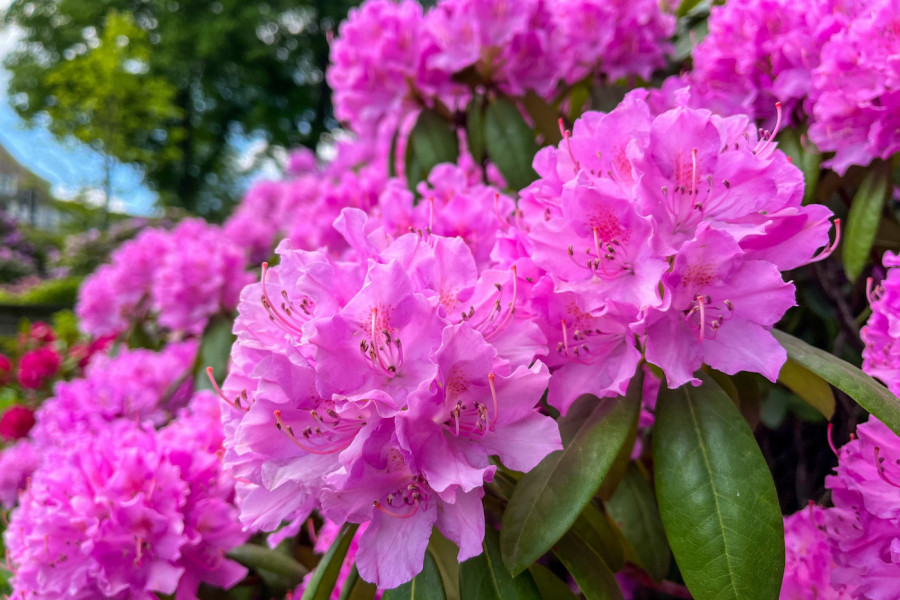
{"points": [[863, 528], [857, 89], [17, 463], [128, 511], [377, 388], [808, 562], [37, 366], [881, 334], [16, 422], [41, 333], [6, 369]]}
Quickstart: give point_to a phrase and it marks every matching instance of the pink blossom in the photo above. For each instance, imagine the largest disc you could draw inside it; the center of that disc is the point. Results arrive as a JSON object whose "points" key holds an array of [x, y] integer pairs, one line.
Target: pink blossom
{"points": [[808, 561], [863, 528], [881, 355]]}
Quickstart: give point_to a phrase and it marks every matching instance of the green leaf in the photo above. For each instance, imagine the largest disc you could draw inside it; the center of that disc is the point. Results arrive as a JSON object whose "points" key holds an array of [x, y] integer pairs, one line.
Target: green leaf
{"points": [[261, 558], [392, 155], [716, 496], [475, 128], [215, 350], [862, 222], [445, 555], [549, 584], [326, 574], [593, 576], [356, 588], [685, 7], [485, 578], [867, 392], [427, 585], [432, 141], [804, 155], [510, 143], [595, 530], [578, 99], [814, 390], [544, 117], [547, 501], [634, 510]]}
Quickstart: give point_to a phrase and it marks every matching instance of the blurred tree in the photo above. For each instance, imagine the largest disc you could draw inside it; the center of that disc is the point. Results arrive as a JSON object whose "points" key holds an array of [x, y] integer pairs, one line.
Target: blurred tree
{"points": [[239, 69], [106, 99]]}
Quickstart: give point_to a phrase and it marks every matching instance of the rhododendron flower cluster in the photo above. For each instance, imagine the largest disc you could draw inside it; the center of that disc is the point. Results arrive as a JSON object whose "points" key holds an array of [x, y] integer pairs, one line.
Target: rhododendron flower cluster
{"points": [[376, 388], [128, 512], [857, 89], [863, 528], [826, 60], [663, 237], [303, 207], [808, 563], [182, 277], [390, 59], [881, 335]]}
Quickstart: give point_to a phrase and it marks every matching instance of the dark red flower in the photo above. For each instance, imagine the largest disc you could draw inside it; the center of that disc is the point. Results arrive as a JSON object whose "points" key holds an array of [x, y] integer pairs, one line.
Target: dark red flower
{"points": [[36, 366], [16, 423], [5, 369], [41, 332]]}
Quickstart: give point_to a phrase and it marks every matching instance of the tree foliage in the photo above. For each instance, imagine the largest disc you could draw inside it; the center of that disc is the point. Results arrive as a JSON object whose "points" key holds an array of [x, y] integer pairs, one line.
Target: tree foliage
{"points": [[206, 73]]}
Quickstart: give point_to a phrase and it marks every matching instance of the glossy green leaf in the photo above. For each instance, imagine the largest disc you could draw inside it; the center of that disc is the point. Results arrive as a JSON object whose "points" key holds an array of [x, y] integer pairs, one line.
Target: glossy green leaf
{"points": [[544, 117], [261, 558], [595, 530], [716, 496], [326, 574], [814, 390], [356, 588], [392, 155], [862, 222], [550, 586], [427, 585], [510, 143], [215, 350], [547, 501], [432, 141], [485, 578], [634, 510], [475, 128], [593, 576], [867, 392]]}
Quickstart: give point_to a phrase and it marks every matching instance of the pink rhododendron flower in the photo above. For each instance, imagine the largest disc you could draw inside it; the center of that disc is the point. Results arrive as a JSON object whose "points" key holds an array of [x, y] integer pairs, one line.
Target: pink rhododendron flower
{"points": [[863, 528], [128, 511], [37, 366], [16, 422], [17, 463], [808, 562], [183, 277], [857, 89], [881, 334], [662, 236], [376, 388]]}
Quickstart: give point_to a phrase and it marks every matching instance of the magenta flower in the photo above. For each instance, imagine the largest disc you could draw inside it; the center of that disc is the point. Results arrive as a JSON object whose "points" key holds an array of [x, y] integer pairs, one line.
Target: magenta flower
{"points": [[37, 366], [863, 528], [881, 356], [17, 463], [6, 369], [808, 562], [857, 89], [127, 511], [661, 236], [16, 422], [373, 390]]}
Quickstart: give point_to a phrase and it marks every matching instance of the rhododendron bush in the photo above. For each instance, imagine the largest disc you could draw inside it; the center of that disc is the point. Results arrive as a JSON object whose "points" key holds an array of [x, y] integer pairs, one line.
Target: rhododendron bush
{"points": [[521, 336]]}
